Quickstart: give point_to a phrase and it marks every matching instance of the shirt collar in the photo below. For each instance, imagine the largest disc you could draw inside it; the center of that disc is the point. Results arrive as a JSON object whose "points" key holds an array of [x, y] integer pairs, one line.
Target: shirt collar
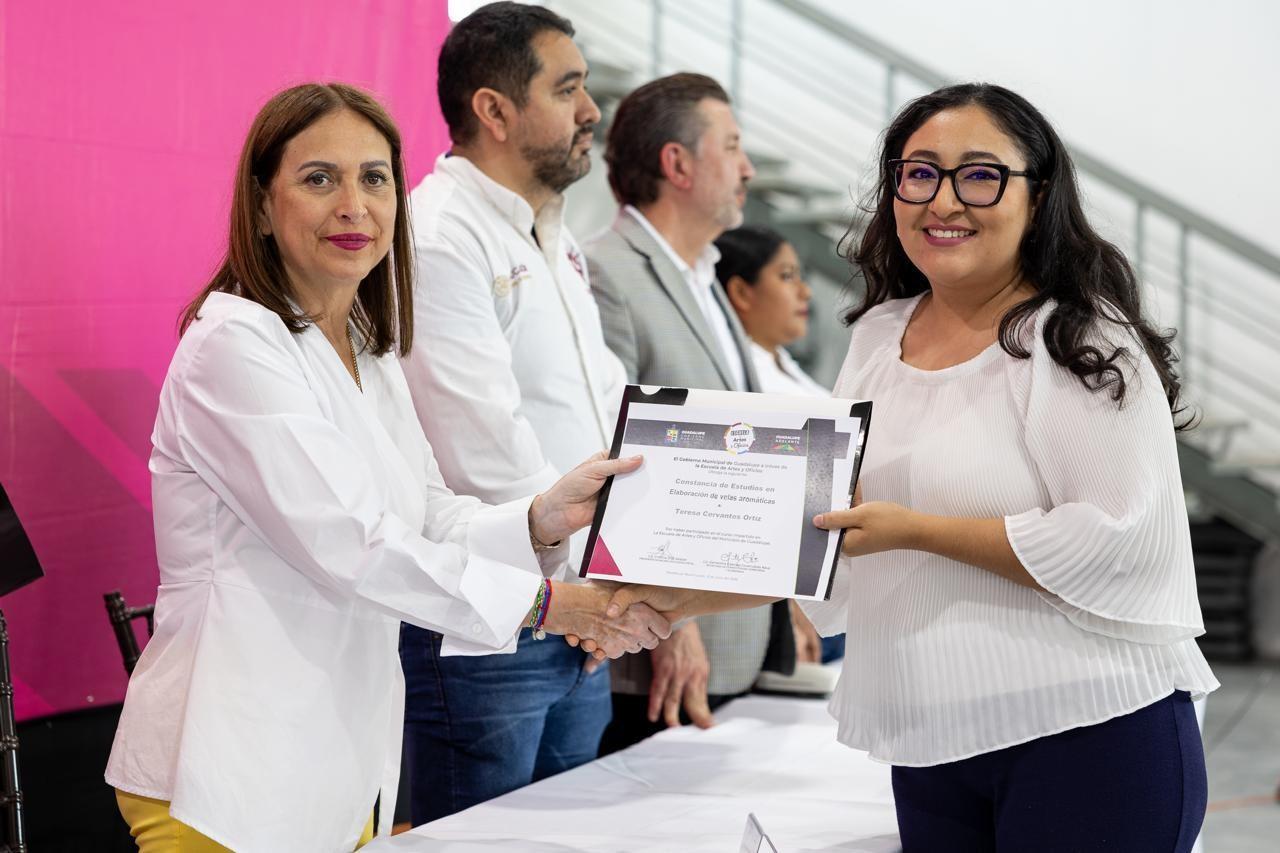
{"points": [[509, 204], [703, 270], [781, 361]]}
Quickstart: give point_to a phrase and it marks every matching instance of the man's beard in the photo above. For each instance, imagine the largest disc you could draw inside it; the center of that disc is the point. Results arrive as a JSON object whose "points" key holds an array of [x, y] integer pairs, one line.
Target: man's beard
{"points": [[730, 214], [556, 166]]}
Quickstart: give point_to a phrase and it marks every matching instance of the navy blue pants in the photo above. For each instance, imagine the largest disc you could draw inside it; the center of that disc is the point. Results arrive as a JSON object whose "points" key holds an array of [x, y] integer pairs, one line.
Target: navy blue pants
{"points": [[1132, 784], [478, 727]]}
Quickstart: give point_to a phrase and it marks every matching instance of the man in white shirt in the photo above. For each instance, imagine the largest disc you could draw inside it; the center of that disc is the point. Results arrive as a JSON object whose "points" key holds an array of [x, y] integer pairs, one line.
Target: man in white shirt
{"points": [[512, 383], [677, 168]]}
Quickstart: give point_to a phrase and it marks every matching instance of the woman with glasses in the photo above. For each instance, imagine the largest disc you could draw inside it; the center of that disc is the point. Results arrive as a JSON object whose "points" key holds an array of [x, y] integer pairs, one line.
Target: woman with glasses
{"points": [[1021, 602]]}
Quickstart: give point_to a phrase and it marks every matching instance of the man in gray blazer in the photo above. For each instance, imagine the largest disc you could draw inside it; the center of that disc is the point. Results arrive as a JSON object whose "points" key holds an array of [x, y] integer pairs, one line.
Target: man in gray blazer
{"points": [[678, 170]]}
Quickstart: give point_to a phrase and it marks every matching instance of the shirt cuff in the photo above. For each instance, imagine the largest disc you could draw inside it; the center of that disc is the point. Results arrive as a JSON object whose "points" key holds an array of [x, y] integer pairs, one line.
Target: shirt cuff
{"points": [[502, 574]]}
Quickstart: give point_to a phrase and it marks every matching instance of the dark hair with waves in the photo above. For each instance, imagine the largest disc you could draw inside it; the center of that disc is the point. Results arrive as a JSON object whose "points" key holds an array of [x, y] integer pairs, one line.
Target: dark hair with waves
{"points": [[1061, 256]]}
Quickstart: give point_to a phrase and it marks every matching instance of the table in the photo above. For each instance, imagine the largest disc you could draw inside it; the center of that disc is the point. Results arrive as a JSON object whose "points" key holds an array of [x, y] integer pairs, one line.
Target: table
{"points": [[690, 790]]}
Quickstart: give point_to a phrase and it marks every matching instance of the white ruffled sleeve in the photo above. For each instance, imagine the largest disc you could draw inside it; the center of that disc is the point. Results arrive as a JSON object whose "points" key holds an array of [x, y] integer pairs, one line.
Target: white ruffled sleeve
{"points": [[1113, 547]]}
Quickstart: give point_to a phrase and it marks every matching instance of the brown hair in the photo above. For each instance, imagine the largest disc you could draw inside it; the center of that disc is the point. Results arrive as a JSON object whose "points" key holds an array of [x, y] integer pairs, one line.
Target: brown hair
{"points": [[664, 110], [252, 268]]}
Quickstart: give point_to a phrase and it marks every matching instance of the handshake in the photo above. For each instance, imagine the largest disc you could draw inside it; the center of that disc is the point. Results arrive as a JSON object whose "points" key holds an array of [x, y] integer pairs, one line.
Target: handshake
{"points": [[610, 620], [588, 616], [584, 613]]}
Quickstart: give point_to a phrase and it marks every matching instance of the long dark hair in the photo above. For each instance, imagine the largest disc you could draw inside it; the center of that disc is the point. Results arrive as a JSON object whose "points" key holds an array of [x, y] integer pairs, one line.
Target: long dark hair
{"points": [[1061, 256], [383, 312]]}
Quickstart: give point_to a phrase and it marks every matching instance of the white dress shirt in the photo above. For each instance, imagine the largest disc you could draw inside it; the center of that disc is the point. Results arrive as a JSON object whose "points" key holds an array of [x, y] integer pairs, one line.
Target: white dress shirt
{"points": [[298, 521], [782, 375], [945, 660], [700, 278], [510, 374]]}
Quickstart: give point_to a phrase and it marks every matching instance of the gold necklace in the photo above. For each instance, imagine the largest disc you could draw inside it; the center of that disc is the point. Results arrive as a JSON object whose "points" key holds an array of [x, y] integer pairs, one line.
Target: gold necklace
{"points": [[354, 363]]}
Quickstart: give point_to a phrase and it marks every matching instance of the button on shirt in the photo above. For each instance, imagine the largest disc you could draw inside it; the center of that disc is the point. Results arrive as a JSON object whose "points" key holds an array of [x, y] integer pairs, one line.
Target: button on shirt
{"points": [[510, 374], [701, 278]]}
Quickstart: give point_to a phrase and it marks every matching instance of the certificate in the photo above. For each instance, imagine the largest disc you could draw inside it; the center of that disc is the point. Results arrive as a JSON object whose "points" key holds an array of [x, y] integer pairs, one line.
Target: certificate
{"points": [[726, 497]]}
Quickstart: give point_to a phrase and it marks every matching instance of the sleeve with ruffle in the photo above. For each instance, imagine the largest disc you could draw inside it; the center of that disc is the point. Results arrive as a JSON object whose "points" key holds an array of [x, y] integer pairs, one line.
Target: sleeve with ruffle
{"points": [[1113, 548]]}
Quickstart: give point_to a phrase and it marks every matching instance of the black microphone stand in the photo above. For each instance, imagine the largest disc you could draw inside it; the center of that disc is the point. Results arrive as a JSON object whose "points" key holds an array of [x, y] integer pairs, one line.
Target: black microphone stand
{"points": [[11, 791], [18, 567]]}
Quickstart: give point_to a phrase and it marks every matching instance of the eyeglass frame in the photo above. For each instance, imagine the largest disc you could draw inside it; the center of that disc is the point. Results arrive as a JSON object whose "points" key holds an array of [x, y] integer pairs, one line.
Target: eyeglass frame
{"points": [[1004, 171]]}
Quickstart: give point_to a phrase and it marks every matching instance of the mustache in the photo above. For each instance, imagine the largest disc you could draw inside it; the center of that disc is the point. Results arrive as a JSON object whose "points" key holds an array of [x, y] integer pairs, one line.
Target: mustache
{"points": [[584, 131]]}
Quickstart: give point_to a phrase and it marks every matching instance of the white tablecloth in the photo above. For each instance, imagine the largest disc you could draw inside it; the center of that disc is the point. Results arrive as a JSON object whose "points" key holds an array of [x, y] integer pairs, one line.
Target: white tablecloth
{"points": [[690, 790]]}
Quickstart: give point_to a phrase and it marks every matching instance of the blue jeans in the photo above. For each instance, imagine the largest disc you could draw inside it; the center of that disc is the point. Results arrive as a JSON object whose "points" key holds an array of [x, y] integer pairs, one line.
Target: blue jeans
{"points": [[478, 727], [1132, 784], [832, 648]]}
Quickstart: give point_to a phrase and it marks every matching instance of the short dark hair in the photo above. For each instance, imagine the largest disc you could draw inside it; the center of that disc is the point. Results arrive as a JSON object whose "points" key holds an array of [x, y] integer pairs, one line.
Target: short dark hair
{"points": [[252, 268], [490, 48], [745, 251], [664, 110], [1061, 255]]}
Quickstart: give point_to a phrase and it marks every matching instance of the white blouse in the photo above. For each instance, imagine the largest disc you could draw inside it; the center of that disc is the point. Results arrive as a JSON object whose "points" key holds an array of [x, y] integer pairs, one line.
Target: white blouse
{"points": [[782, 375], [945, 660], [298, 521]]}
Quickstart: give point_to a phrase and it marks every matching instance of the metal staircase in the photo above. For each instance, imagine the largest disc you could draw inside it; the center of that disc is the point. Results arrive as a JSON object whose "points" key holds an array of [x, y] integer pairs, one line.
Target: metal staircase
{"points": [[812, 122]]}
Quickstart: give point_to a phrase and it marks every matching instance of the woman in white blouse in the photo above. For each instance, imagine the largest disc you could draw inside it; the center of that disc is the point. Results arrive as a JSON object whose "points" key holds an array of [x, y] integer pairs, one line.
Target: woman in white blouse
{"points": [[760, 273], [1021, 603], [300, 515]]}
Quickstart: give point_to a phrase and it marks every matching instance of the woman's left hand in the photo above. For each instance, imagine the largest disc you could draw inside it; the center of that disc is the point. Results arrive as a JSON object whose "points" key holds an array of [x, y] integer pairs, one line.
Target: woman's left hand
{"points": [[570, 504], [872, 527]]}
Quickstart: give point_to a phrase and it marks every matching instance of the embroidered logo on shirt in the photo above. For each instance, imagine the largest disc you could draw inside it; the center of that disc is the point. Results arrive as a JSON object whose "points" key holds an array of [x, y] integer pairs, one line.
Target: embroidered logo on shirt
{"points": [[575, 260], [503, 284]]}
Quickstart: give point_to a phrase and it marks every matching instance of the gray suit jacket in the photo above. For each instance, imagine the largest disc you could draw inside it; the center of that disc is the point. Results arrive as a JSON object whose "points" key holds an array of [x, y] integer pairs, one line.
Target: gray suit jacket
{"points": [[654, 325]]}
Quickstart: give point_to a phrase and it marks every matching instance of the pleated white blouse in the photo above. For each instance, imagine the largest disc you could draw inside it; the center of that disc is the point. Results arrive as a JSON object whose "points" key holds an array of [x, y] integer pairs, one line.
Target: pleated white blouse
{"points": [[946, 661]]}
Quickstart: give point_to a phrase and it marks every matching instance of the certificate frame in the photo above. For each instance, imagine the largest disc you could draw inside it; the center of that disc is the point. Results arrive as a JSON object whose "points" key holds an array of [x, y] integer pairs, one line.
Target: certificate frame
{"points": [[818, 499]]}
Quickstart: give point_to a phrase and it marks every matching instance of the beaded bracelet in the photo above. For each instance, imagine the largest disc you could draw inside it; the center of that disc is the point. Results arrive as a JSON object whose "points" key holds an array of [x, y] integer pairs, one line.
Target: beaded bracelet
{"points": [[537, 604], [541, 605]]}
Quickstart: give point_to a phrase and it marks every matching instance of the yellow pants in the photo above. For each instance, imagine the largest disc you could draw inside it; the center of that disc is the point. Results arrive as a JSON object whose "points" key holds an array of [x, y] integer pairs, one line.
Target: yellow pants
{"points": [[157, 832]]}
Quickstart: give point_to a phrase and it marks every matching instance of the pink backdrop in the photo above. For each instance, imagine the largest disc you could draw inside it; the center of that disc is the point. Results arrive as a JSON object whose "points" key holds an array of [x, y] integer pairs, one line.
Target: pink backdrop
{"points": [[120, 124]]}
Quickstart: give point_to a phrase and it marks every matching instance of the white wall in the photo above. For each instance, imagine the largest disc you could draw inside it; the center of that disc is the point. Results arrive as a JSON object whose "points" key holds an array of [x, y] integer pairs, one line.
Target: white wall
{"points": [[1183, 94], [1180, 92]]}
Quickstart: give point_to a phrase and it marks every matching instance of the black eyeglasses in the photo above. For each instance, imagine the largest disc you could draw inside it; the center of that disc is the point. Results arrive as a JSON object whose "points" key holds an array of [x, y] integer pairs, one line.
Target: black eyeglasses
{"points": [[975, 184]]}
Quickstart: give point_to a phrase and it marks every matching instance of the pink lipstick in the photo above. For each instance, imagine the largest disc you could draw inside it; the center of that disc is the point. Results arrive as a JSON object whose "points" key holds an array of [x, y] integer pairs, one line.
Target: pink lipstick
{"points": [[350, 242]]}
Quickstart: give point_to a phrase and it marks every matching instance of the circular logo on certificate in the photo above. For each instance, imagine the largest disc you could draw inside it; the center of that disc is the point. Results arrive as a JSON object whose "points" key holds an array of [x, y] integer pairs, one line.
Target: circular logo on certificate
{"points": [[738, 438]]}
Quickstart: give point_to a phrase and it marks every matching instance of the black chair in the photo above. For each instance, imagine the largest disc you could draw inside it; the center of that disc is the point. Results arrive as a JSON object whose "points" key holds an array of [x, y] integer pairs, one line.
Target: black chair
{"points": [[122, 616]]}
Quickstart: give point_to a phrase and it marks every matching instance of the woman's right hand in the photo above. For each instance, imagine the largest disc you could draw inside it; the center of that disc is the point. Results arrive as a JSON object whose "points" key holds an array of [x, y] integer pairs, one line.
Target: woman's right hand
{"points": [[579, 610], [570, 504]]}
